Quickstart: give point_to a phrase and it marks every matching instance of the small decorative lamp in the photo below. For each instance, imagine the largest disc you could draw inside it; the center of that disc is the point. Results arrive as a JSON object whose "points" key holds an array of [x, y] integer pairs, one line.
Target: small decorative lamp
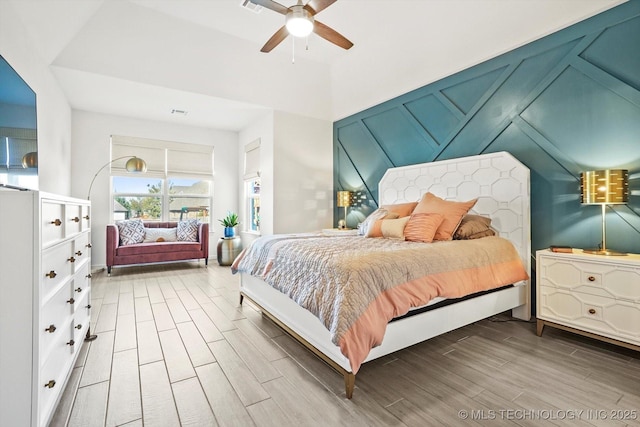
{"points": [[344, 201], [604, 187]]}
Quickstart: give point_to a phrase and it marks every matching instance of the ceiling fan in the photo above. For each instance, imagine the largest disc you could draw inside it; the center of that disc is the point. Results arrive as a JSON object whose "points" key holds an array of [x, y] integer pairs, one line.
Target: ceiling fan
{"points": [[300, 22]]}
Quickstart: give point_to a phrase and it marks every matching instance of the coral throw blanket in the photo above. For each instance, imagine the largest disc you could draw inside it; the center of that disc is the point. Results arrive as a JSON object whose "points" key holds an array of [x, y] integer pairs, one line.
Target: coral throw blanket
{"points": [[356, 285]]}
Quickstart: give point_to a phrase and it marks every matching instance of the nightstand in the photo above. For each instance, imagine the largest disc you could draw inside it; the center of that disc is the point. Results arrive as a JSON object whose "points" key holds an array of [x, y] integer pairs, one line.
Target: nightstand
{"points": [[592, 295]]}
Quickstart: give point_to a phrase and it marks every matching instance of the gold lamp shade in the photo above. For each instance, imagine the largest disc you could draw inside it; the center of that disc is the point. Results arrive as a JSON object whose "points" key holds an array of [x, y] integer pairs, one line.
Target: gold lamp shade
{"points": [[604, 187], [136, 164], [30, 160], [609, 187]]}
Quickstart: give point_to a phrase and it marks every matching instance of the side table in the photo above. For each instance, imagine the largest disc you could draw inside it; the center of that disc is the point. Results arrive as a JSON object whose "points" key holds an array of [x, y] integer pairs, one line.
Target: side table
{"points": [[228, 249]]}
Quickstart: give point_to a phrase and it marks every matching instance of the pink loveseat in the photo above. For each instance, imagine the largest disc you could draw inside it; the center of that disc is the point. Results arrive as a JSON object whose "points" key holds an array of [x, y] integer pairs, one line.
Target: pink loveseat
{"points": [[143, 253]]}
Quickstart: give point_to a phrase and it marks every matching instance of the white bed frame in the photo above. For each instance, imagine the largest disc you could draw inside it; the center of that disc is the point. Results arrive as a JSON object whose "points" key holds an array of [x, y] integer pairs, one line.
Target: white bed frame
{"points": [[501, 184]]}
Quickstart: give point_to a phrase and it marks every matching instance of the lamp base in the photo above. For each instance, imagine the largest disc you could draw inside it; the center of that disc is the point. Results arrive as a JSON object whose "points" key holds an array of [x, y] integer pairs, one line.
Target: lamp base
{"points": [[605, 252]]}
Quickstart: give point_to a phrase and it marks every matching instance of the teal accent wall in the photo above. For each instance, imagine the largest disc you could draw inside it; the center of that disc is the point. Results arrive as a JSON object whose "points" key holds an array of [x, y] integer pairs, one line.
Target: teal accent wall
{"points": [[563, 104]]}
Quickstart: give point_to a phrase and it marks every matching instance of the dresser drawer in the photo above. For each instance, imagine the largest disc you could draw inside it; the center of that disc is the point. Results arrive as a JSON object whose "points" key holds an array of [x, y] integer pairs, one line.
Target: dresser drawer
{"points": [[81, 251], [53, 374], [56, 267], [52, 222], [73, 218], [592, 313], [55, 318], [607, 279]]}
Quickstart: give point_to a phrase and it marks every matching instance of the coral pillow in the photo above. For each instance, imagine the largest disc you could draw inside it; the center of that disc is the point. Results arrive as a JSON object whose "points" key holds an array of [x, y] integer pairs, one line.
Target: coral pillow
{"points": [[375, 216], [451, 211], [131, 231], [422, 227], [401, 209]]}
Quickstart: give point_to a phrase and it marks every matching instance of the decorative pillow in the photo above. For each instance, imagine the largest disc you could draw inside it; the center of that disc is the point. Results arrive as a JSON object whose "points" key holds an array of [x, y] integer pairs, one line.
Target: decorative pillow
{"points": [[160, 235], [474, 227], [451, 211], [421, 227], [401, 209], [187, 230], [373, 217], [388, 228], [131, 231]]}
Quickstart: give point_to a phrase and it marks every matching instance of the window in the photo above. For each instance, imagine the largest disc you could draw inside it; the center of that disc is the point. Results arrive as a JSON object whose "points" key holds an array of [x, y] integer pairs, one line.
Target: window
{"points": [[178, 183], [252, 186]]}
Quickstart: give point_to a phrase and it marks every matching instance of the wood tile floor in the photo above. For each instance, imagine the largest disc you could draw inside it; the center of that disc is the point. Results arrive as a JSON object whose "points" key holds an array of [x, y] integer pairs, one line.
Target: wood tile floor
{"points": [[174, 348]]}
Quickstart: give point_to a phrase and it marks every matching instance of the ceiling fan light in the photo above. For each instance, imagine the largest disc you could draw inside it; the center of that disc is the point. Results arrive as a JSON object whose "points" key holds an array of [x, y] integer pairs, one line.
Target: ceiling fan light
{"points": [[299, 22]]}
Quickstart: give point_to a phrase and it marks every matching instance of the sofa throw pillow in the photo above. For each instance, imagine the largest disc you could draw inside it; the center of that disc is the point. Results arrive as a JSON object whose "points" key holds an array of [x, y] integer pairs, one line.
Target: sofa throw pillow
{"points": [[160, 235], [187, 230], [131, 231]]}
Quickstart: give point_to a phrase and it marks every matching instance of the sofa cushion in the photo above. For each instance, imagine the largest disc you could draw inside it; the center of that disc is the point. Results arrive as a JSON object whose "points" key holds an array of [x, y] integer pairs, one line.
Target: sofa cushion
{"points": [[157, 247], [160, 235], [131, 231], [188, 230]]}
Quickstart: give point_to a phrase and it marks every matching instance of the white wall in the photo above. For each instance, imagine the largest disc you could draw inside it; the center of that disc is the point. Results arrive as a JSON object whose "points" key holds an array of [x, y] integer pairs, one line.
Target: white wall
{"points": [[90, 151], [303, 173], [54, 113]]}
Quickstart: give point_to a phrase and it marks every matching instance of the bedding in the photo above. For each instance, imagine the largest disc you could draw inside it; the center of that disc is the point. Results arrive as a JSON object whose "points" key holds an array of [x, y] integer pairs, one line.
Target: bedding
{"points": [[355, 285]]}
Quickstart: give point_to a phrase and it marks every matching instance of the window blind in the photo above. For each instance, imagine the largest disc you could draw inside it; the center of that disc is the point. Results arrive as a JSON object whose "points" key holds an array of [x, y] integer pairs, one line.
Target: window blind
{"points": [[163, 158]]}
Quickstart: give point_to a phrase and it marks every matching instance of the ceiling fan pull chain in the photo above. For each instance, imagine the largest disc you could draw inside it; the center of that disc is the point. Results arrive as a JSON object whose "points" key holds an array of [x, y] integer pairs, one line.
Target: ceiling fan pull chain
{"points": [[293, 50], [307, 42]]}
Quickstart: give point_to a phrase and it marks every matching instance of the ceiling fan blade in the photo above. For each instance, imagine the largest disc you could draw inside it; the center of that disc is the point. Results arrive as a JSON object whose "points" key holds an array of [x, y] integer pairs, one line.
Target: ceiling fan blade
{"points": [[275, 40], [315, 6], [270, 4], [332, 35]]}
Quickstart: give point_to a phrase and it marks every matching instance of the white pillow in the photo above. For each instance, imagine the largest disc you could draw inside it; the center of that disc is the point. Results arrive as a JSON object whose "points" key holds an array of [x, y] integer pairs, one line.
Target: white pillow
{"points": [[160, 235], [131, 231]]}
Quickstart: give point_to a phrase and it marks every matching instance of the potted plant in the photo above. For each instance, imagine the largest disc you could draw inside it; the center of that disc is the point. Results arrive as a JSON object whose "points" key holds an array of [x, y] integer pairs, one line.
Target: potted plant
{"points": [[229, 221]]}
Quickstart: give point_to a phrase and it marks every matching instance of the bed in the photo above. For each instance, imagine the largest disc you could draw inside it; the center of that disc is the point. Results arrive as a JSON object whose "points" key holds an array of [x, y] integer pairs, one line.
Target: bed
{"points": [[501, 185]]}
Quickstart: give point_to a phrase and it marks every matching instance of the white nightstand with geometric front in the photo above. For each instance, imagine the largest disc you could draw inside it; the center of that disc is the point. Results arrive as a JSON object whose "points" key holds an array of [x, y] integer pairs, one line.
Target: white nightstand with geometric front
{"points": [[593, 295]]}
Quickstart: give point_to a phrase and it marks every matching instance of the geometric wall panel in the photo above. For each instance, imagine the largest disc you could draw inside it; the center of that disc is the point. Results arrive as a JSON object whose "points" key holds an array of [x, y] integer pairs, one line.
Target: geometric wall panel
{"points": [[623, 61], [562, 104]]}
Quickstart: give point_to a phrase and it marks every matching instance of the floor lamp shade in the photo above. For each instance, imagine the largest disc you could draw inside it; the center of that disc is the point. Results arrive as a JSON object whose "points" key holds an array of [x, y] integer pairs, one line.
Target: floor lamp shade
{"points": [[604, 187]]}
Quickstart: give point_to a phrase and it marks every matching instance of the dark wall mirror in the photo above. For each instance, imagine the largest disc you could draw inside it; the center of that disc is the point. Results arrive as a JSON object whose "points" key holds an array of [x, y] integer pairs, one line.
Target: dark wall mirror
{"points": [[18, 131]]}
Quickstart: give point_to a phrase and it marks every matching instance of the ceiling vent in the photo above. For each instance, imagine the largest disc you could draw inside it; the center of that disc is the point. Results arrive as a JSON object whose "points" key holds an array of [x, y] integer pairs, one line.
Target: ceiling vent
{"points": [[247, 4], [179, 112]]}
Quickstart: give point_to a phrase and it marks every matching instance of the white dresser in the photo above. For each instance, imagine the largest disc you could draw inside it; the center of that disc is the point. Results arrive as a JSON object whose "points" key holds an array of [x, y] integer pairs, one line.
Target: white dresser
{"points": [[45, 287], [593, 295]]}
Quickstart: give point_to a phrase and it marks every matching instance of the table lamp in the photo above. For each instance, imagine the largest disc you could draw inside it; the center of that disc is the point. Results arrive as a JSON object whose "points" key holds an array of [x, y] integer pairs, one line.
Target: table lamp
{"points": [[604, 187], [344, 201]]}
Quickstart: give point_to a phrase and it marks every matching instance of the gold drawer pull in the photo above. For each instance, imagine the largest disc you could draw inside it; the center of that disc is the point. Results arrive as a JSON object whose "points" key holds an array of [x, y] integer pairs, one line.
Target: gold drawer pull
{"points": [[88, 276], [88, 245], [50, 384], [79, 253], [78, 327], [51, 274], [89, 306], [71, 343], [56, 222], [72, 259], [592, 311], [51, 329], [86, 217], [76, 219], [78, 289], [71, 301], [591, 279]]}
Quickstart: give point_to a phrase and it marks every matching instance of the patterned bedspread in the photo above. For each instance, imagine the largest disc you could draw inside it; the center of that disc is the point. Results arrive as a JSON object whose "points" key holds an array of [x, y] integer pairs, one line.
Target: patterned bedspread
{"points": [[356, 285]]}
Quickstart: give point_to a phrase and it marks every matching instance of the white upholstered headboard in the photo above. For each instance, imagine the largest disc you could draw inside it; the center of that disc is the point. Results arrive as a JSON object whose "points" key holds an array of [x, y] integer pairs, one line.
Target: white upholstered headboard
{"points": [[498, 180]]}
